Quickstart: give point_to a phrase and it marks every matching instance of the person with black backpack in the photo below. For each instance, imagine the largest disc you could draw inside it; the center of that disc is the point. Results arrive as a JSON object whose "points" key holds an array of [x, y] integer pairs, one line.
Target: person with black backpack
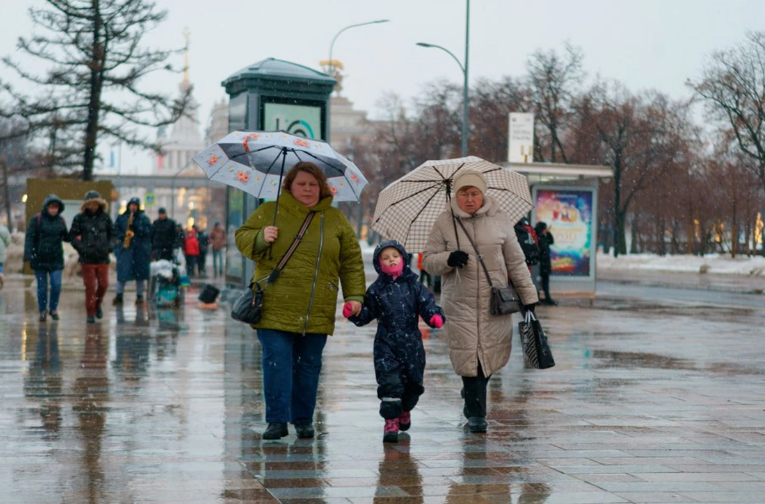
{"points": [[545, 263], [43, 248]]}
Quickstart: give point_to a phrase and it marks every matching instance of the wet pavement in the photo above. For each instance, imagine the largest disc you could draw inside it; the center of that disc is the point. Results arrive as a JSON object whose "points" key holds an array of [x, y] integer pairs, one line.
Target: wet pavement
{"points": [[651, 401]]}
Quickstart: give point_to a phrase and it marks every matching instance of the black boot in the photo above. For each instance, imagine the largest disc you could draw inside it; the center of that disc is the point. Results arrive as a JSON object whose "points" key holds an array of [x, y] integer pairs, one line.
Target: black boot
{"points": [[275, 430], [117, 299], [304, 431], [477, 424]]}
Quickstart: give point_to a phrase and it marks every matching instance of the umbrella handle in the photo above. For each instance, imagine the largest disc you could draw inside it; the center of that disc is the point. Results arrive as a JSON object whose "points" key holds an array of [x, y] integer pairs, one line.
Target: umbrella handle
{"points": [[454, 219], [278, 194]]}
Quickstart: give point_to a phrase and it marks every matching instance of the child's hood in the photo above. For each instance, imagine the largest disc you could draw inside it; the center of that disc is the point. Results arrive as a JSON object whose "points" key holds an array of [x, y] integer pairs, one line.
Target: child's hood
{"points": [[386, 244]]}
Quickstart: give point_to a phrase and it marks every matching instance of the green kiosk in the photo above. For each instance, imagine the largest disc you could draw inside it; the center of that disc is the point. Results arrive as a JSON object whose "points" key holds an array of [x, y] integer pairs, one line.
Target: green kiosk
{"points": [[270, 95]]}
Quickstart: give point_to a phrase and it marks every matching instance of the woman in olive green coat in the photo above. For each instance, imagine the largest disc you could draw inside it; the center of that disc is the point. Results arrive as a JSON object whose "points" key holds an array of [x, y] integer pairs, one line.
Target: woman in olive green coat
{"points": [[299, 307]]}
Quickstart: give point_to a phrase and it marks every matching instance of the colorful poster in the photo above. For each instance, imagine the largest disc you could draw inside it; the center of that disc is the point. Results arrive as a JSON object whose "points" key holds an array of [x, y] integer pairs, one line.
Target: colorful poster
{"points": [[568, 214]]}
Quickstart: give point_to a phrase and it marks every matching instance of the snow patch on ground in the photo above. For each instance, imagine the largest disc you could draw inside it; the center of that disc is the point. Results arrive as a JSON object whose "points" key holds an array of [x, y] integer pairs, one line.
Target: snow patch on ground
{"points": [[714, 263]]}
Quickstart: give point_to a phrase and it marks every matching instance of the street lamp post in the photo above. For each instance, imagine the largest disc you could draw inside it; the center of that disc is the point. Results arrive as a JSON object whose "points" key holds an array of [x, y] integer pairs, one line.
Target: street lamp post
{"points": [[332, 45], [464, 68]]}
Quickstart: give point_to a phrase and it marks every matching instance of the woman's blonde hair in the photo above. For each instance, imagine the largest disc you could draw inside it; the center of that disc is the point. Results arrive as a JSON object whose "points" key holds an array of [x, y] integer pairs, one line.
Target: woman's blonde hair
{"points": [[311, 169]]}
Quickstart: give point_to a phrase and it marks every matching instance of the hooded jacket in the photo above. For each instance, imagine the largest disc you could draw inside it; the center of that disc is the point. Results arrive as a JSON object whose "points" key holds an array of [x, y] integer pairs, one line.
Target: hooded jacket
{"points": [[397, 304], [92, 233], [45, 234], [133, 263], [545, 240], [304, 297], [475, 335]]}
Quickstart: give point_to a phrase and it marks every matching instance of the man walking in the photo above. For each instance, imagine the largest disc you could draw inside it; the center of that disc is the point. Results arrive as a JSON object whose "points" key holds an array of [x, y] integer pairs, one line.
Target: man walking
{"points": [[164, 237], [546, 239], [92, 235], [133, 250], [218, 242]]}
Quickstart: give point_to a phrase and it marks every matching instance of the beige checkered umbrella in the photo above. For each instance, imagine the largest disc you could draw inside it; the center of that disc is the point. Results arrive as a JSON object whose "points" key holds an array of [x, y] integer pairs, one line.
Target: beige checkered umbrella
{"points": [[407, 209]]}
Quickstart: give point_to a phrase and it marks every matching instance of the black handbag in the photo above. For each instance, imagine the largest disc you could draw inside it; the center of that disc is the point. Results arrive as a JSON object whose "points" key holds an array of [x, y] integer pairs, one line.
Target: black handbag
{"points": [[534, 342], [248, 307], [504, 300]]}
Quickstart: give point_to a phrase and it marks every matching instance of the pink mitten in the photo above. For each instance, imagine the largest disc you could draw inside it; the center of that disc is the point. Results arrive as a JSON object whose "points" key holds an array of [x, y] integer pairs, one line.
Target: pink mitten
{"points": [[347, 310], [437, 321]]}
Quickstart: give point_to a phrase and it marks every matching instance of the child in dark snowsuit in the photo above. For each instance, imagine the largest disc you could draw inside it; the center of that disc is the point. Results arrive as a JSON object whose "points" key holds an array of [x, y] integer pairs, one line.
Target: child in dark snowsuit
{"points": [[397, 299]]}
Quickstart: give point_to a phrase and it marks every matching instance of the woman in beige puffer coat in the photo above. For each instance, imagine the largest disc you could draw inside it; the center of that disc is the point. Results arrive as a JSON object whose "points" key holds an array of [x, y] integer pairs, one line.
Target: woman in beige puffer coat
{"points": [[479, 342]]}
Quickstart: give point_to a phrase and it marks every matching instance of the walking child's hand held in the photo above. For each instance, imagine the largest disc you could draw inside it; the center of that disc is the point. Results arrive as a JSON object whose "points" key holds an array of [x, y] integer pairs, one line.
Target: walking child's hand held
{"points": [[437, 321], [347, 310]]}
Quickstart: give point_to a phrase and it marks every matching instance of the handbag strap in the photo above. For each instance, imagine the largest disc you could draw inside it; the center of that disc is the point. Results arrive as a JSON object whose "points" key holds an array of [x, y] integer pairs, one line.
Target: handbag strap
{"points": [[286, 257], [478, 253]]}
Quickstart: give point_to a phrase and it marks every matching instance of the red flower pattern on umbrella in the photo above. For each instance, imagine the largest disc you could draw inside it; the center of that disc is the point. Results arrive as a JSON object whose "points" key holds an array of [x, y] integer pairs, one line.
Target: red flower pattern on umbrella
{"points": [[213, 159], [247, 138], [243, 177], [302, 143]]}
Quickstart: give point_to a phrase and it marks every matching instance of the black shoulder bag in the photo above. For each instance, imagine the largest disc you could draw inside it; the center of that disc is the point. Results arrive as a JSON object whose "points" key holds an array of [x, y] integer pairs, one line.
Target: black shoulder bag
{"points": [[504, 300], [248, 307]]}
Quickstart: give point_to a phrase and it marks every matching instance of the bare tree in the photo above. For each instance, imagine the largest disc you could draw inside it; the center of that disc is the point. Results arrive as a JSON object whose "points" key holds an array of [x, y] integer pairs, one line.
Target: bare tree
{"points": [[733, 86], [553, 81], [91, 88], [639, 135], [491, 103]]}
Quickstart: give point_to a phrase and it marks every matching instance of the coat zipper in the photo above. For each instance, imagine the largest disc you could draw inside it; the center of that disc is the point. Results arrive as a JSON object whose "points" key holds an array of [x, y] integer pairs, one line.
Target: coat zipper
{"points": [[478, 297], [316, 271]]}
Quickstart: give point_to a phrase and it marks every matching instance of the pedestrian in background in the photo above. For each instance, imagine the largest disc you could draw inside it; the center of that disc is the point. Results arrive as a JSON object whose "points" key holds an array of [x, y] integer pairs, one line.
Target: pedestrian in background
{"points": [[299, 306], [43, 248], [397, 300], [479, 342], [92, 235], [163, 237], [191, 250], [546, 239], [133, 250], [5, 240], [204, 244], [218, 242]]}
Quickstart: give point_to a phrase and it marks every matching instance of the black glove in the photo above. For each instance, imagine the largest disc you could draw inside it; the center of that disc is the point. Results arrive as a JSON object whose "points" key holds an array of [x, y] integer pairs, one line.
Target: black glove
{"points": [[457, 259], [530, 307]]}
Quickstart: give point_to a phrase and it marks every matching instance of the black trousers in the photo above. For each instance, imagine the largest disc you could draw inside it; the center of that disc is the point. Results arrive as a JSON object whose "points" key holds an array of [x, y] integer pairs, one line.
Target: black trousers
{"points": [[474, 392], [546, 287], [397, 395]]}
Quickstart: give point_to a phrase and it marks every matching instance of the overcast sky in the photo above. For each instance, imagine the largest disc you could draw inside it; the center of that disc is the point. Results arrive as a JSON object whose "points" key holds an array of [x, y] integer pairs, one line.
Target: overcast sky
{"points": [[645, 44]]}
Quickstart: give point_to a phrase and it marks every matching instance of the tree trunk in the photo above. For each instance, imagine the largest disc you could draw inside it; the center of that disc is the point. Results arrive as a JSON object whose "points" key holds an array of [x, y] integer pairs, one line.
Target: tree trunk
{"points": [[691, 234], [621, 237], [94, 103]]}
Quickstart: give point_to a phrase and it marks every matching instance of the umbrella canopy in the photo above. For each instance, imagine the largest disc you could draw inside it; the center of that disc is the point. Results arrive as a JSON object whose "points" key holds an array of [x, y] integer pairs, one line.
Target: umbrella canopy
{"points": [[407, 209], [255, 162]]}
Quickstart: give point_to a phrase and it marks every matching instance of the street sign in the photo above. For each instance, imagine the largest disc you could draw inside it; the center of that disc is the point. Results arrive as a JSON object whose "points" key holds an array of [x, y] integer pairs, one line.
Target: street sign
{"points": [[520, 138], [150, 200]]}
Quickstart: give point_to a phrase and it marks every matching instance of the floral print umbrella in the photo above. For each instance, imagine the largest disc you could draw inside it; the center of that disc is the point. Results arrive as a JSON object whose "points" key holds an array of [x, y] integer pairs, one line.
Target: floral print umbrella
{"points": [[256, 162]]}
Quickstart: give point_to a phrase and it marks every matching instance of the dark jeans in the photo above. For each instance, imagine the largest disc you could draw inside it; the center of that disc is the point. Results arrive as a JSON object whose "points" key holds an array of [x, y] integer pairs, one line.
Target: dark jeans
{"points": [[218, 262], [190, 262], [42, 289], [291, 367], [202, 262], [474, 390]]}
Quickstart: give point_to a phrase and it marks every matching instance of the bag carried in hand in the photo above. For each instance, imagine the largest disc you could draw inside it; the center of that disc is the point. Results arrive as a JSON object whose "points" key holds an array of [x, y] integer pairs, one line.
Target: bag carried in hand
{"points": [[534, 342], [248, 307]]}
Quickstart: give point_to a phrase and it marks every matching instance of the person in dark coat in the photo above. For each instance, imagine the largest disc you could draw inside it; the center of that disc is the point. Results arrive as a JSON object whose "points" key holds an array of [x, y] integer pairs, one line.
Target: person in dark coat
{"points": [[44, 250], [92, 235], [164, 237], [133, 260], [397, 299], [545, 265]]}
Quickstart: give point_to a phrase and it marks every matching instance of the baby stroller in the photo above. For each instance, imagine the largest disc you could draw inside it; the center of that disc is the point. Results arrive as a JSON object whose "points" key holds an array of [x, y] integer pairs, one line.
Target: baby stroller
{"points": [[166, 284]]}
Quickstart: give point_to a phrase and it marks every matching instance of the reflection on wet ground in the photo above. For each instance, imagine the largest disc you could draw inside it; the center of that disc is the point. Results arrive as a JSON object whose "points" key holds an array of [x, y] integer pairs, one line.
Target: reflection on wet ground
{"points": [[648, 403]]}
